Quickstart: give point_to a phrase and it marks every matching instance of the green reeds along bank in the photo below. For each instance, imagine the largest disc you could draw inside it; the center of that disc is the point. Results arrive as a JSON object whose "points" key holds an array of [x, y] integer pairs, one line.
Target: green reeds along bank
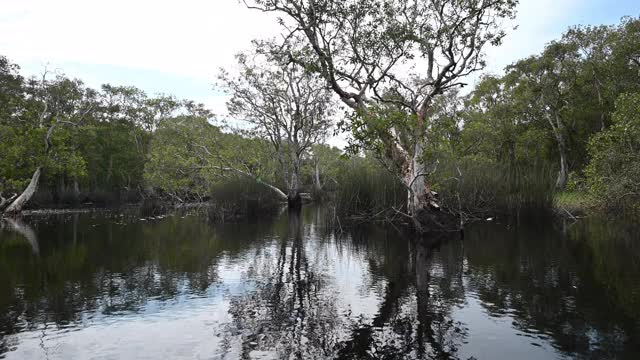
{"points": [[240, 197], [469, 188], [366, 189], [477, 189]]}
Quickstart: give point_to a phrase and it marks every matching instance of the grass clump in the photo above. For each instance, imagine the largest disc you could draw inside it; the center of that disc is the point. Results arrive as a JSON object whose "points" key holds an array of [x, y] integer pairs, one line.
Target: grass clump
{"points": [[475, 188], [242, 197]]}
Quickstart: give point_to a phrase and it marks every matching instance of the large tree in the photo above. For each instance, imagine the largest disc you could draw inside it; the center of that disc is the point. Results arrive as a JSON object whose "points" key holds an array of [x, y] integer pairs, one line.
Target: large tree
{"points": [[284, 103], [402, 53]]}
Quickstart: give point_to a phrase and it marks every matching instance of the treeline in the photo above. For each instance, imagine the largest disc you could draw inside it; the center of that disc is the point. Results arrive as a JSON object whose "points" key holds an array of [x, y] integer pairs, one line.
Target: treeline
{"points": [[566, 120], [90, 145], [77, 145]]}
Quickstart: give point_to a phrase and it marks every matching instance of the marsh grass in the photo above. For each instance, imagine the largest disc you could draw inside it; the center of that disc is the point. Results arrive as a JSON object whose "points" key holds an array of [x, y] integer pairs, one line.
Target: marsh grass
{"points": [[477, 189], [470, 189], [366, 191], [240, 197]]}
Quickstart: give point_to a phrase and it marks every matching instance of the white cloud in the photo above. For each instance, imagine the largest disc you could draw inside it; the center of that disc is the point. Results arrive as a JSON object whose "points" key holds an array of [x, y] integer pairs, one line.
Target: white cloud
{"points": [[188, 37], [538, 22], [196, 37], [192, 39]]}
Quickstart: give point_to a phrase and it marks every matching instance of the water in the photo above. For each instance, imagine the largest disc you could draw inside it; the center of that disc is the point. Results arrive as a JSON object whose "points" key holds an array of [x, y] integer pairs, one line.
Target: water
{"points": [[106, 286]]}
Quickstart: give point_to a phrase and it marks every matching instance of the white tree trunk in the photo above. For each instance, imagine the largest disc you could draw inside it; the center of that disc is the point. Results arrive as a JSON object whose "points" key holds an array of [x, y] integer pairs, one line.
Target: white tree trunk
{"points": [[422, 204], [563, 173], [293, 195], [19, 203], [4, 202], [278, 192], [419, 193], [76, 189], [316, 178]]}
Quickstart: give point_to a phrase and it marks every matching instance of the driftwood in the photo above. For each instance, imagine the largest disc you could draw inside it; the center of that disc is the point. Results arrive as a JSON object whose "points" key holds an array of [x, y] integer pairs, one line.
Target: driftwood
{"points": [[4, 202], [18, 204]]}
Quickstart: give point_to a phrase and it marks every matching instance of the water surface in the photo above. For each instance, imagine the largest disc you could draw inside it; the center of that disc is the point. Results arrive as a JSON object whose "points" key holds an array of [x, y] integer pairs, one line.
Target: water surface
{"points": [[110, 286]]}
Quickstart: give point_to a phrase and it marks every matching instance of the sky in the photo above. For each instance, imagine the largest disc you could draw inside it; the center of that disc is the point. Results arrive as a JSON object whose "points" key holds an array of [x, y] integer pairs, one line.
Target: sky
{"points": [[177, 47]]}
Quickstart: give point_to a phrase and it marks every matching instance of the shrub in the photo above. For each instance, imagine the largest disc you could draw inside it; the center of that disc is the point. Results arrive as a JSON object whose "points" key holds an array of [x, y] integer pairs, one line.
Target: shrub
{"points": [[613, 173]]}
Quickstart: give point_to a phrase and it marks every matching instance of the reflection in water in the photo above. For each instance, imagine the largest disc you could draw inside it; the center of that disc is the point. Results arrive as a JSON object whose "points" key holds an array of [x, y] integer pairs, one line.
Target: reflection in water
{"points": [[178, 286], [24, 229]]}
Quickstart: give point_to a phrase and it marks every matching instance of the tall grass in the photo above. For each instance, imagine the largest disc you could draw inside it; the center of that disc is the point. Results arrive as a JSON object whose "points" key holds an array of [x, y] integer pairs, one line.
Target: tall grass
{"points": [[475, 188], [365, 189], [240, 197], [469, 188]]}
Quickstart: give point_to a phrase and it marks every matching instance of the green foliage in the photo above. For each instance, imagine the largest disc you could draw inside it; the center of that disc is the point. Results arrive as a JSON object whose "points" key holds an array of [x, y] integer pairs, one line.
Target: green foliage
{"points": [[174, 165], [21, 149], [613, 174], [99, 140], [576, 182]]}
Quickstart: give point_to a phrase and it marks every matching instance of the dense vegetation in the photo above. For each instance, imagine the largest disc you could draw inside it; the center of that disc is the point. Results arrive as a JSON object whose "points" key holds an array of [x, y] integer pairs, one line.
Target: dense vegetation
{"points": [[564, 120]]}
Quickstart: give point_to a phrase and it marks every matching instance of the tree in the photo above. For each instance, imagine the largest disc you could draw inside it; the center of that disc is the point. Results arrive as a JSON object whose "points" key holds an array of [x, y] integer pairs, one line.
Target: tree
{"points": [[285, 104], [174, 165], [325, 166], [364, 49], [547, 83]]}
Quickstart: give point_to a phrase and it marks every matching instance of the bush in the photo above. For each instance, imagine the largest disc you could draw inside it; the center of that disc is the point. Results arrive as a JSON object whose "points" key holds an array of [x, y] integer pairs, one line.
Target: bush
{"points": [[613, 173]]}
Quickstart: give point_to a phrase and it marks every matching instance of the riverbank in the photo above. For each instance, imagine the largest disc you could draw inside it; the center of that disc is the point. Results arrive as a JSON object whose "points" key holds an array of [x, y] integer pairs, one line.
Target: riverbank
{"points": [[575, 203]]}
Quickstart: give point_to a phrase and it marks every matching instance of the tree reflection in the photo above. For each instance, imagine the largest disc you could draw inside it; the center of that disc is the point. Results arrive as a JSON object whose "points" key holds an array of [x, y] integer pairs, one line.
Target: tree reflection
{"points": [[20, 227], [569, 286], [295, 312], [414, 317], [289, 312], [105, 265]]}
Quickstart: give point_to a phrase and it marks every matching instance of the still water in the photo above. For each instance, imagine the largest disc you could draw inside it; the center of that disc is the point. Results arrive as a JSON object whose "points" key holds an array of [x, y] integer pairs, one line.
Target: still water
{"points": [[113, 286]]}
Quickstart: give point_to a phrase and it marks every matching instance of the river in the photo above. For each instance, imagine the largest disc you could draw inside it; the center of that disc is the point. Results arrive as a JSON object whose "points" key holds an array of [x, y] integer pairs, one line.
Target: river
{"points": [[106, 285]]}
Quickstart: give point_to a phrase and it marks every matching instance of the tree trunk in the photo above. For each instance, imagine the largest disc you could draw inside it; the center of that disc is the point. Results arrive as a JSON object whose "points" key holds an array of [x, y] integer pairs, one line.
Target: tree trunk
{"points": [[22, 200], [422, 203], [563, 173], [76, 189], [293, 196], [4, 202], [294, 201], [278, 192], [293, 192], [316, 179], [419, 191]]}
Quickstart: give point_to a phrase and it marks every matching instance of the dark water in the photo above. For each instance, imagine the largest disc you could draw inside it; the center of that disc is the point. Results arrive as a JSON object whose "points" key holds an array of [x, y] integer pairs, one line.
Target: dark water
{"points": [[103, 286]]}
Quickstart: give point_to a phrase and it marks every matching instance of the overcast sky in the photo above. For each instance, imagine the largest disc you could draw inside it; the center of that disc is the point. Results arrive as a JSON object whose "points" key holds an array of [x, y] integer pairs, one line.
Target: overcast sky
{"points": [[177, 47]]}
